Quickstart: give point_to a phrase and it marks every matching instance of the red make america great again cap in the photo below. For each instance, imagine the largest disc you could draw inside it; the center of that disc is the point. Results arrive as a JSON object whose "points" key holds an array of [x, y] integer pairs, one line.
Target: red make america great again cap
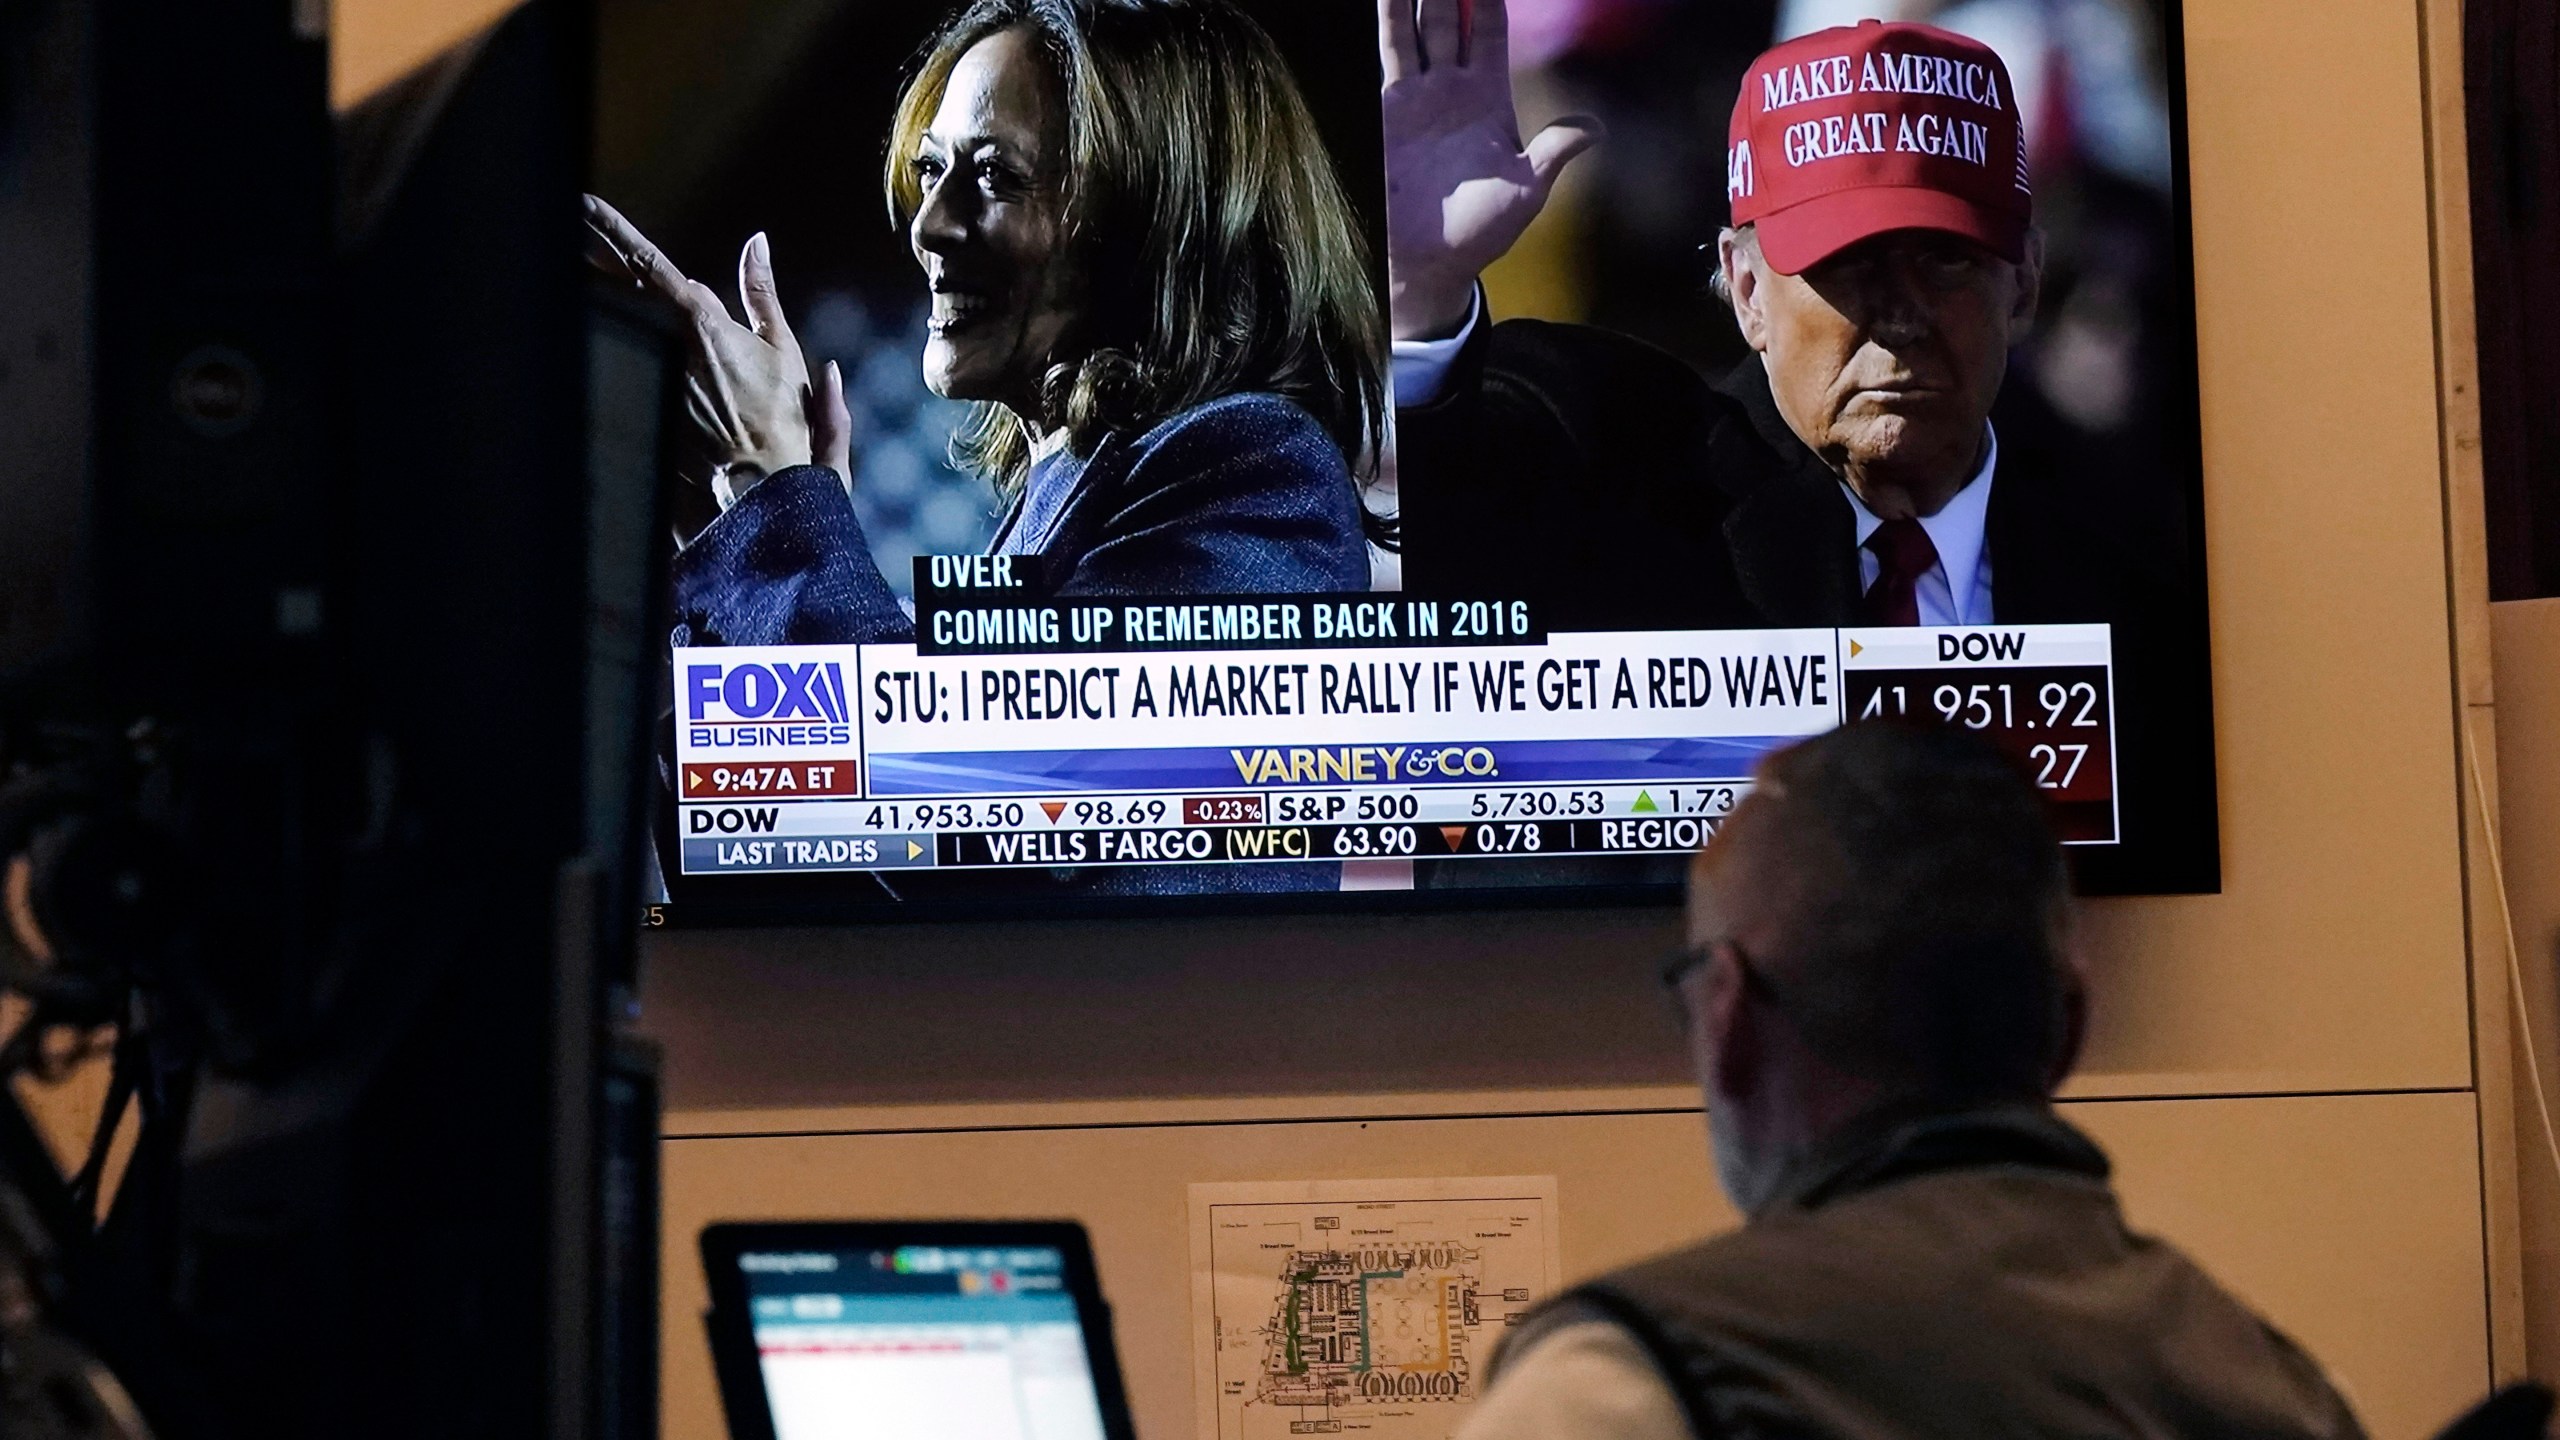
{"points": [[1848, 133]]}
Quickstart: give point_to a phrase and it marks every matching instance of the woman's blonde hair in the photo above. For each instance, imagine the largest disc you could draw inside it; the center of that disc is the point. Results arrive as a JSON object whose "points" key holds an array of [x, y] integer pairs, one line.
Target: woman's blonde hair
{"points": [[1220, 251]]}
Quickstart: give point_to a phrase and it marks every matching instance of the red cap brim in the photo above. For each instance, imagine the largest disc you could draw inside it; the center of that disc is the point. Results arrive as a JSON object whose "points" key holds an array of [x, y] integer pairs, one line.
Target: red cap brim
{"points": [[1800, 237]]}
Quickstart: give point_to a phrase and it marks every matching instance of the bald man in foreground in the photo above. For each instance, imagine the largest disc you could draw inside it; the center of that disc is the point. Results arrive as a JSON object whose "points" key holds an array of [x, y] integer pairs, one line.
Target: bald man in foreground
{"points": [[1880, 1003]]}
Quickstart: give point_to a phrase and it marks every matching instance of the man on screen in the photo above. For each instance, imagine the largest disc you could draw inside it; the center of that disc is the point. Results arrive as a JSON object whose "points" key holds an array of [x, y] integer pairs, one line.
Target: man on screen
{"points": [[1881, 261]]}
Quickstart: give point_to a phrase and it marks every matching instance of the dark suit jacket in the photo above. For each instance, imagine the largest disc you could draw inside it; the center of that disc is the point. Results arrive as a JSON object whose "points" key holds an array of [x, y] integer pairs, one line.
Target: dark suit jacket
{"points": [[1610, 484], [1246, 494]]}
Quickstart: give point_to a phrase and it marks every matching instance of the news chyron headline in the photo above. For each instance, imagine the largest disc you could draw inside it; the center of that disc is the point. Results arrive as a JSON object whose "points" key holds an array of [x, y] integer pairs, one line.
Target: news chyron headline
{"points": [[1313, 727], [991, 605]]}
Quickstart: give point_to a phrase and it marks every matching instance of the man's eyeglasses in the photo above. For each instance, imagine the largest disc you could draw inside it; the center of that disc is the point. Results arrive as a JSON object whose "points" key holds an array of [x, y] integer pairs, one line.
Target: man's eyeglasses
{"points": [[1681, 963]]}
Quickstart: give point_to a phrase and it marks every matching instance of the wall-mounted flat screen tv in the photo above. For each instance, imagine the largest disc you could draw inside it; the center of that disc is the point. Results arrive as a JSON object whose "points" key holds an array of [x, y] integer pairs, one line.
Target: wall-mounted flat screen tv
{"points": [[1141, 455]]}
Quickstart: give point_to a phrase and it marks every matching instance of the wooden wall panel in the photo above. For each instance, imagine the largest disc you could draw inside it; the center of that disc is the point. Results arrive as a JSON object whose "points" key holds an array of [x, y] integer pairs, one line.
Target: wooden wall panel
{"points": [[374, 42], [2527, 636]]}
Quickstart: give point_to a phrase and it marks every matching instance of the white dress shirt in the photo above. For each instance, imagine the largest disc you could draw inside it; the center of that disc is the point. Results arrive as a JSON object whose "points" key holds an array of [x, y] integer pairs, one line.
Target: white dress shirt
{"points": [[1958, 530], [1419, 371]]}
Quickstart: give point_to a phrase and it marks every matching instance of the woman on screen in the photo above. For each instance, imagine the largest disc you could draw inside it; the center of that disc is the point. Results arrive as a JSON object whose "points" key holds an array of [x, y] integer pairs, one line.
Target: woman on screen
{"points": [[1143, 271]]}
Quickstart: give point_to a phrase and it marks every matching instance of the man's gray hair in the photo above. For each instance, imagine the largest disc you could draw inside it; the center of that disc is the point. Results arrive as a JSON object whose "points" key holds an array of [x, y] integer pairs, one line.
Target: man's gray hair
{"points": [[1925, 908], [1742, 236]]}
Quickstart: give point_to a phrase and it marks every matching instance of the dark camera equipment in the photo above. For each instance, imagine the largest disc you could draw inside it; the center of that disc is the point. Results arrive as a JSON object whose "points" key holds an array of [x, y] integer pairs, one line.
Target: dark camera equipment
{"points": [[317, 781]]}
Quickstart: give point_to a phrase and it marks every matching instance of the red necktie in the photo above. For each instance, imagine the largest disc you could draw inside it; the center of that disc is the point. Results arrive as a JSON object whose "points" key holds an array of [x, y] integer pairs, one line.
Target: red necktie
{"points": [[1903, 554]]}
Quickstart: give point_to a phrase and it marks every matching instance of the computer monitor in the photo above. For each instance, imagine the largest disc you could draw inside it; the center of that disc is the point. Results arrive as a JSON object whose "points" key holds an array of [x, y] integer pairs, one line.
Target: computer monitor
{"points": [[917, 1330]]}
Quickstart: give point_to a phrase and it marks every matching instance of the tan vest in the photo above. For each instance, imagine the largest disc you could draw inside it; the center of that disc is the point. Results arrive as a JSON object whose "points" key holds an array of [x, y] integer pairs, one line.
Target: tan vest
{"points": [[1961, 1275]]}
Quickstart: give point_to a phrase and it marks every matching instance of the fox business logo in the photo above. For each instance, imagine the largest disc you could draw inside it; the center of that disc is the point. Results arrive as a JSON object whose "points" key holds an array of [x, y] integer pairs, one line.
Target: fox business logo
{"points": [[754, 704]]}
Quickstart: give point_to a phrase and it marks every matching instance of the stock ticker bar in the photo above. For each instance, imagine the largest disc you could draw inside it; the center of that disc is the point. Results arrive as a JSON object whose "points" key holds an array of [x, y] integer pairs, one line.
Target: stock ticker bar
{"points": [[817, 758], [1255, 844], [1279, 826]]}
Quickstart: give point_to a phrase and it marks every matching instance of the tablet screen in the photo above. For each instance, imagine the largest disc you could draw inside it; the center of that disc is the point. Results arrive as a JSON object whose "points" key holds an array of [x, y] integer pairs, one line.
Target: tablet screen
{"points": [[952, 1343]]}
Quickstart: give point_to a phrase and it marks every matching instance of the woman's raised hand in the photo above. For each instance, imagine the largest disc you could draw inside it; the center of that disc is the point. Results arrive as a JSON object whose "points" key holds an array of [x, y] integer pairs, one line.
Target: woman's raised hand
{"points": [[747, 387], [1460, 185]]}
